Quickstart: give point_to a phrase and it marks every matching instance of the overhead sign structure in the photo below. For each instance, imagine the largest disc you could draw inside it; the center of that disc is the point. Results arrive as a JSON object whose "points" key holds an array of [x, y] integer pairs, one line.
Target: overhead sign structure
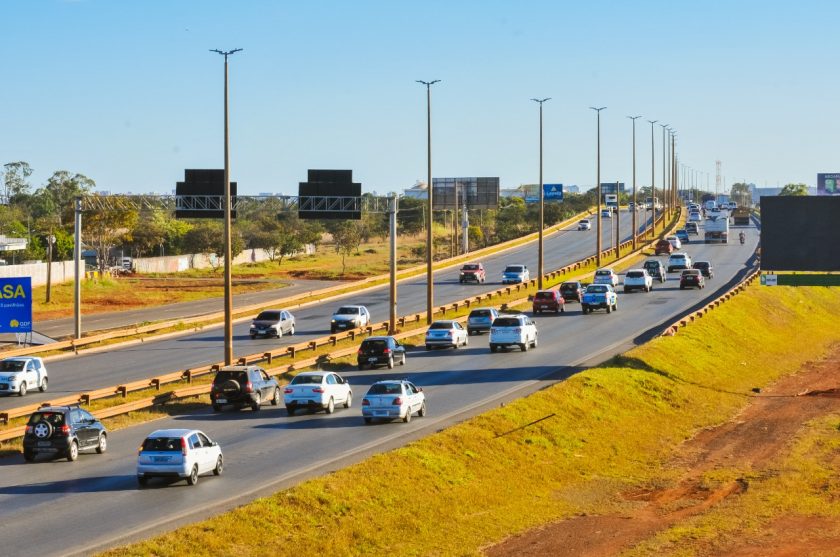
{"points": [[828, 184], [476, 193], [553, 192], [330, 194], [612, 187], [16, 305], [201, 195]]}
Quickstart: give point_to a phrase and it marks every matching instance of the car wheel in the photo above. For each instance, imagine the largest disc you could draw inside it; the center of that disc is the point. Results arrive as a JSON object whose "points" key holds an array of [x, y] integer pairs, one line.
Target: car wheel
{"points": [[142, 481], [192, 479], [563, 309], [368, 420], [422, 411], [275, 400], [361, 367], [428, 347], [252, 338], [615, 306], [391, 362], [626, 290], [28, 456], [292, 330], [279, 332], [402, 361], [330, 406], [348, 402], [493, 348], [73, 451], [524, 346], [332, 330], [217, 408], [255, 404], [102, 446], [609, 308], [534, 344], [22, 391], [470, 332], [220, 466], [43, 386], [407, 417], [290, 410]]}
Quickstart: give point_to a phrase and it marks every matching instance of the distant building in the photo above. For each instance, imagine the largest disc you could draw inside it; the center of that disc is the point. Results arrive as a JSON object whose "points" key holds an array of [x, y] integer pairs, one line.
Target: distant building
{"points": [[418, 191]]}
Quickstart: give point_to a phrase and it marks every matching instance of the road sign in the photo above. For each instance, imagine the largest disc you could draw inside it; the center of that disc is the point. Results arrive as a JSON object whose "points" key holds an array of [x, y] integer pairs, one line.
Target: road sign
{"points": [[769, 280], [553, 192], [16, 305]]}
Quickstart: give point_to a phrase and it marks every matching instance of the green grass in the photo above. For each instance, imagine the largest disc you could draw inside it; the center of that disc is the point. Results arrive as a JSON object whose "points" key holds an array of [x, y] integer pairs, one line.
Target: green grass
{"points": [[615, 427]]}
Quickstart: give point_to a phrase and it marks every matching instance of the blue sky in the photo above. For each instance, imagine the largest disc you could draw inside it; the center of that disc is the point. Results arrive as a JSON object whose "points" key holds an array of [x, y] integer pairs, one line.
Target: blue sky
{"points": [[127, 93]]}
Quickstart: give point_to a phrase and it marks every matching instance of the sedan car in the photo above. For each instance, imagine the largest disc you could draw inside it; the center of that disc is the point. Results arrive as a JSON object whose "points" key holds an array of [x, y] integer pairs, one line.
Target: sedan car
{"points": [[691, 278], [572, 291], [691, 228], [663, 247], [682, 235], [584, 224], [694, 216], [446, 334], [675, 241], [515, 274], [380, 351], [637, 279], [549, 300], [678, 262], [480, 320], [317, 390], [705, 268], [178, 453], [349, 317], [606, 213], [606, 276], [390, 400], [273, 323]]}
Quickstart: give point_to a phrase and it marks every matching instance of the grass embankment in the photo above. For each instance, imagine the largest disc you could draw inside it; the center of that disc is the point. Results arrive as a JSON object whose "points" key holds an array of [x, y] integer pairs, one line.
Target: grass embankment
{"points": [[614, 428]]}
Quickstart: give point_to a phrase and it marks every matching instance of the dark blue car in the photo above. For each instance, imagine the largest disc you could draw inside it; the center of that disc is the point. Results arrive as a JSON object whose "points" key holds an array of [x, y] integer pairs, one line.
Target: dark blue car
{"points": [[682, 234]]}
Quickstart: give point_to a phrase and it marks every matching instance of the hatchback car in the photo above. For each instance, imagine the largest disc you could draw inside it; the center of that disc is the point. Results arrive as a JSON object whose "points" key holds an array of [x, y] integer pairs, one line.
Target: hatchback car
{"points": [[446, 334], [675, 241], [584, 224], [692, 229], [513, 330], [242, 386], [480, 320], [691, 278], [694, 216], [606, 213], [606, 276], [380, 351], [549, 300], [655, 269], [317, 390], [63, 431], [273, 323], [178, 453], [515, 274], [349, 317], [682, 235], [705, 268], [572, 291], [663, 247], [392, 400], [678, 262], [637, 279], [21, 374]]}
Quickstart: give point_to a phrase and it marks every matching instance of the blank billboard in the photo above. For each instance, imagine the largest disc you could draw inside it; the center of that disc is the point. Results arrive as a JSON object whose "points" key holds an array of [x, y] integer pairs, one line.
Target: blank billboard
{"points": [[477, 193], [201, 194], [798, 234], [330, 194]]}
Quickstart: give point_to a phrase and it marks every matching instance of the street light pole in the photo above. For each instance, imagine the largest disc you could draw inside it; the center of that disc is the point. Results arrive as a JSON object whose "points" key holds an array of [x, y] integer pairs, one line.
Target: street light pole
{"points": [[635, 206], [542, 198], [664, 177], [429, 244], [598, 180], [652, 182], [228, 281]]}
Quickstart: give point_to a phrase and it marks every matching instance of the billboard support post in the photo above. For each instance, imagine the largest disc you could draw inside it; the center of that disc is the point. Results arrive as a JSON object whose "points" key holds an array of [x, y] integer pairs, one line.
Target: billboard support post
{"points": [[392, 230], [77, 272]]}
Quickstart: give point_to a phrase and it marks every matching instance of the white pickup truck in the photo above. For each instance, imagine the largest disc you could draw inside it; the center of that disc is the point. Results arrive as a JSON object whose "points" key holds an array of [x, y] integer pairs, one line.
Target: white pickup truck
{"points": [[18, 375]]}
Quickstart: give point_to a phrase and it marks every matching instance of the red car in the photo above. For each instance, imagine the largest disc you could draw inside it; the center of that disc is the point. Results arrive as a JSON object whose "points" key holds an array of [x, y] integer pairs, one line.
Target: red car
{"points": [[663, 246], [472, 272], [549, 300], [691, 278]]}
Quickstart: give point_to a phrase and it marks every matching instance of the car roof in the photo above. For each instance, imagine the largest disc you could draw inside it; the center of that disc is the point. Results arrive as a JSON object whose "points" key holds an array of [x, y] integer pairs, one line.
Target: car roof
{"points": [[381, 337], [238, 368], [450, 321], [20, 359], [55, 408], [386, 381], [350, 306], [308, 373], [640, 270], [170, 433]]}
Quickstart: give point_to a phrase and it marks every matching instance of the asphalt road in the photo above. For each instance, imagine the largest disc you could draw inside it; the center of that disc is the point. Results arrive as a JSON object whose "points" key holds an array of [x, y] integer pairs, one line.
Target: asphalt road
{"points": [[62, 508], [90, 371]]}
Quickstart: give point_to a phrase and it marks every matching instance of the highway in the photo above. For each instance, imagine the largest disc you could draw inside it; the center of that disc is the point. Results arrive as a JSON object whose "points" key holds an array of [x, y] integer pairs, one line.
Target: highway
{"points": [[130, 363], [62, 508]]}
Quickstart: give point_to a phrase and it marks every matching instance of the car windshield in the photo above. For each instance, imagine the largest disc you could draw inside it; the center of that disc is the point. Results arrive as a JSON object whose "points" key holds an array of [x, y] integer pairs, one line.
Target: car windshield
{"points": [[677, 256], [597, 289], [635, 274], [55, 418], [162, 444], [347, 311], [584, 222], [568, 286], [545, 295], [470, 267], [307, 380], [223, 376], [701, 265], [603, 273], [378, 344], [12, 365], [440, 325], [481, 313], [385, 389], [513, 269], [506, 322], [691, 272], [269, 316]]}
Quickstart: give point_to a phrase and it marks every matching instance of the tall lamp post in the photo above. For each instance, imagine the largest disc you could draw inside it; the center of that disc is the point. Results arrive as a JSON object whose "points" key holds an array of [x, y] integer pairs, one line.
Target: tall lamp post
{"points": [[635, 206], [664, 176], [542, 198], [228, 293], [598, 181], [652, 182], [429, 244]]}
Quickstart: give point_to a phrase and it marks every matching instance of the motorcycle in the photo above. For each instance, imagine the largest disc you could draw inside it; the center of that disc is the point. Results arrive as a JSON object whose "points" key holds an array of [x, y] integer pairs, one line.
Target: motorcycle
{"points": [[742, 238]]}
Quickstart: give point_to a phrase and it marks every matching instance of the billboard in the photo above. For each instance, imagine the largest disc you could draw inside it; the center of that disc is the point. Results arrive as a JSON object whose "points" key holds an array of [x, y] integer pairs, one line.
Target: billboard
{"points": [[330, 194], [828, 184], [610, 187], [16, 305], [798, 233], [477, 193], [200, 195]]}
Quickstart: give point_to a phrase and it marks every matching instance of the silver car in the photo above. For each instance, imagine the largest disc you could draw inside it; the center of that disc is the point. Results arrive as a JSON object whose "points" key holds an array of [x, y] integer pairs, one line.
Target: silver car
{"points": [[178, 453], [390, 400], [273, 323]]}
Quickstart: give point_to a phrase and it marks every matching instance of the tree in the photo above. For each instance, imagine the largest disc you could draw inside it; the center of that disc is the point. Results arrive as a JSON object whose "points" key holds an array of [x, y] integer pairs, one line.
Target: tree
{"points": [[273, 236], [58, 195], [347, 236], [410, 216], [15, 185], [108, 228], [510, 220], [207, 236], [741, 194], [794, 189]]}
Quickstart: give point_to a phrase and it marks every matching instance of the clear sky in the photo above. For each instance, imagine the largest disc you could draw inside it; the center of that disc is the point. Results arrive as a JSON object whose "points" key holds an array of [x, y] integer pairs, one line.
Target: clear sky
{"points": [[127, 93]]}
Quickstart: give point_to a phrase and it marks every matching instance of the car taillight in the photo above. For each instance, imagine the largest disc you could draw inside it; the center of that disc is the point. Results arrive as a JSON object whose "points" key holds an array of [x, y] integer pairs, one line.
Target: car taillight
{"points": [[398, 401], [365, 402], [29, 429], [249, 388], [386, 351], [288, 390], [183, 446], [360, 352], [65, 429], [317, 390]]}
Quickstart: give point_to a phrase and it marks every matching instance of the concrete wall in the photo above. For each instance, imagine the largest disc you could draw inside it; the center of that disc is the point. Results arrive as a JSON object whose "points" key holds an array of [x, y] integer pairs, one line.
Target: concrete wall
{"points": [[62, 271]]}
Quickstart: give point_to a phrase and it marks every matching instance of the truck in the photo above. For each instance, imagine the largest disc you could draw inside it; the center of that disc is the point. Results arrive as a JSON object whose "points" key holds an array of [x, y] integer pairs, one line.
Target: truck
{"points": [[741, 216], [599, 296], [717, 229], [611, 201]]}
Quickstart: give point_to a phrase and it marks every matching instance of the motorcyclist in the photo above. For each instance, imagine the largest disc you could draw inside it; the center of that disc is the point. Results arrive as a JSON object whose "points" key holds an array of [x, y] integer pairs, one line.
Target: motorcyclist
{"points": [[742, 237]]}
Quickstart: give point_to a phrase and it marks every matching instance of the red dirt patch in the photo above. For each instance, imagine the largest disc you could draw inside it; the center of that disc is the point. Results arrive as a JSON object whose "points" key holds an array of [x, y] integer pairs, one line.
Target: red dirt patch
{"points": [[749, 441]]}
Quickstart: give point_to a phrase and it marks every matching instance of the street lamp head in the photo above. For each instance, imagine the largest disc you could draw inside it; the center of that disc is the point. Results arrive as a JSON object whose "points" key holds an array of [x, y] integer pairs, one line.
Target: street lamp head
{"points": [[634, 117], [427, 83], [225, 53], [541, 100], [652, 122], [598, 109]]}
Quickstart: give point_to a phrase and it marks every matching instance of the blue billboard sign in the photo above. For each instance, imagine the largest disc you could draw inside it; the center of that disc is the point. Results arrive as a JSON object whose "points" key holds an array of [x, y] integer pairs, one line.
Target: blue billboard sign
{"points": [[828, 184], [16, 305], [553, 192]]}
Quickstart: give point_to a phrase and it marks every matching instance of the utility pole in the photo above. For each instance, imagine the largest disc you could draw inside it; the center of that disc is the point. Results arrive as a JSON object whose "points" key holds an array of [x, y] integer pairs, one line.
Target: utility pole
{"points": [[598, 181], [429, 240], [635, 205], [392, 226], [664, 176], [228, 281], [617, 220], [652, 182], [77, 263], [542, 199], [50, 242]]}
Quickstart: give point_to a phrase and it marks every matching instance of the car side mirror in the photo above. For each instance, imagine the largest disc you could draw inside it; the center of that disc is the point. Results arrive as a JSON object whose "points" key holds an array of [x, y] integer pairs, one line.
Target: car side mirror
{"points": [[419, 389]]}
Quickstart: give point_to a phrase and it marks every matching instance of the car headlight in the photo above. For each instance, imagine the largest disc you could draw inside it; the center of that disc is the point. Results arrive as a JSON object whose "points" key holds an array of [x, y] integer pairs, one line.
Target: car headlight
{"points": [[333, 321]]}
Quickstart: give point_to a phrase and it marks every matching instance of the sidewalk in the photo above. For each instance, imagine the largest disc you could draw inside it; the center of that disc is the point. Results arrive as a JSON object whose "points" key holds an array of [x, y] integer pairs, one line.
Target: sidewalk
{"points": [[48, 331]]}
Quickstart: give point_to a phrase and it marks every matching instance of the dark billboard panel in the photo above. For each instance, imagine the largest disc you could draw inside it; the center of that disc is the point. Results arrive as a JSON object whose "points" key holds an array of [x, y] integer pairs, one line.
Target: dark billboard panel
{"points": [[477, 193], [798, 233], [330, 194], [828, 184], [201, 195]]}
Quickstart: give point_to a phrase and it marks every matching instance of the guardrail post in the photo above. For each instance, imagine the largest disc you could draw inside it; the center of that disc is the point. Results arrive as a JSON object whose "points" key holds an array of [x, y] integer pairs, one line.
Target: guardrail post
{"points": [[351, 335], [402, 322], [84, 399], [214, 367], [4, 418], [291, 351], [313, 345], [122, 390], [267, 357], [242, 361], [443, 310], [155, 383], [333, 340]]}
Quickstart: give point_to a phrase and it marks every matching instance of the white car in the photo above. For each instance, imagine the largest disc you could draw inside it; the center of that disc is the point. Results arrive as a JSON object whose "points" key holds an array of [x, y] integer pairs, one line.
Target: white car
{"points": [[678, 262], [694, 216], [513, 330], [638, 279], [317, 390], [584, 224], [515, 273], [446, 334], [391, 400], [606, 276], [21, 374], [349, 317], [606, 213], [178, 453], [674, 241]]}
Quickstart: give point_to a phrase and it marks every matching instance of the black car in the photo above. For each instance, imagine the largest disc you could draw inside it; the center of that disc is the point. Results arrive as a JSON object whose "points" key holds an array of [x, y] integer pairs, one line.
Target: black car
{"points": [[242, 386], [705, 268], [656, 269], [63, 431], [380, 351], [572, 291]]}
